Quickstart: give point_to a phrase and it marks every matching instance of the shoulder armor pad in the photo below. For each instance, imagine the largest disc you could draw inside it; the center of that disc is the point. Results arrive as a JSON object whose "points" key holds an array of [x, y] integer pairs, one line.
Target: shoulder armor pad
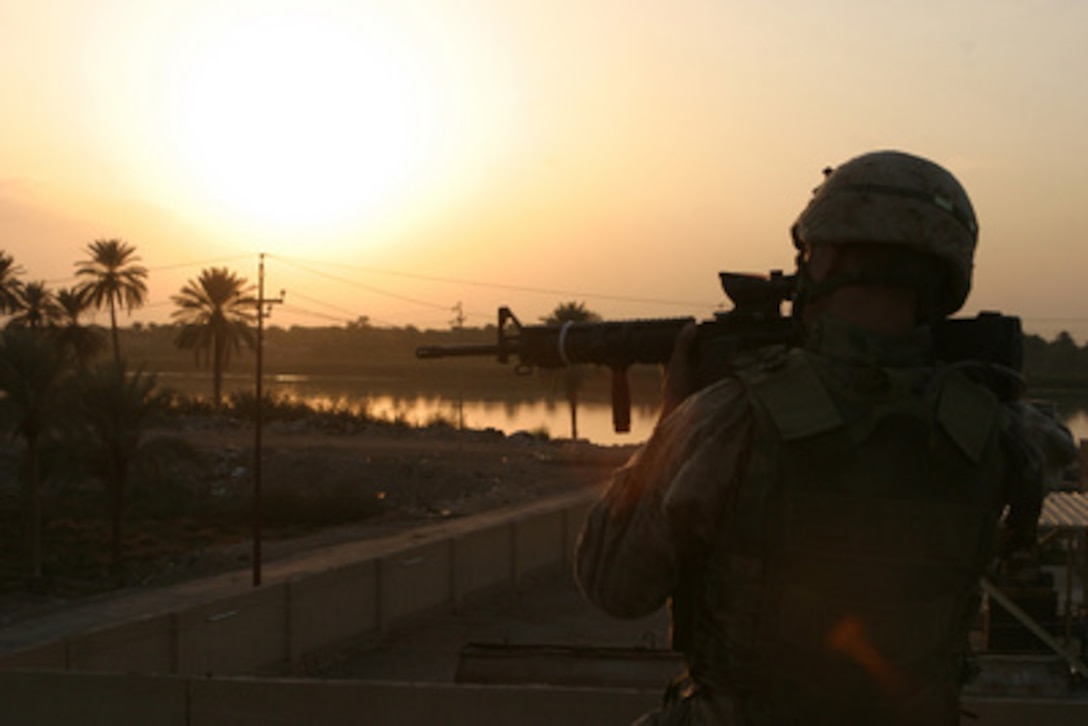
{"points": [[1005, 383], [791, 392], [968, 411]]}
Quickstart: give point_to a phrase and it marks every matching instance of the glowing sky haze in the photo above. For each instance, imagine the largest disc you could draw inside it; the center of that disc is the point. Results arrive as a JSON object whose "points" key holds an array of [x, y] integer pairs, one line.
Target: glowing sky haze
{"points": [[396, 158]]}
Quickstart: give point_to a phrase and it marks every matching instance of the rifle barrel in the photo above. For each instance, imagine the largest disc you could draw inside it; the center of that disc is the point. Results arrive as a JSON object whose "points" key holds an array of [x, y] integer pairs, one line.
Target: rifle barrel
{"points": [[430, 352]]}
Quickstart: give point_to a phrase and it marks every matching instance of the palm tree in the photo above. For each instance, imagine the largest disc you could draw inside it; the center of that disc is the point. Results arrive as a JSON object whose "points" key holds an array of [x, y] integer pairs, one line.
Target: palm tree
{"points": [[216, 311], [573, 376], [114, 413], [113, 279], [83, 342], [37, 309], [9, 283], [32, 374]]}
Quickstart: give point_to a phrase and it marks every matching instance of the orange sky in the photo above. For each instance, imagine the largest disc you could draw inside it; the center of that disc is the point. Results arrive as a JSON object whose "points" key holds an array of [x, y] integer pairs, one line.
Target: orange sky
{"points": [[615, 152]]}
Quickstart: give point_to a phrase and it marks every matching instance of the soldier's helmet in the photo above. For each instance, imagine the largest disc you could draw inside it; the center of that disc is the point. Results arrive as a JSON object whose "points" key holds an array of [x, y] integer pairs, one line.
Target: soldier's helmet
{"points": [[894, 198]]}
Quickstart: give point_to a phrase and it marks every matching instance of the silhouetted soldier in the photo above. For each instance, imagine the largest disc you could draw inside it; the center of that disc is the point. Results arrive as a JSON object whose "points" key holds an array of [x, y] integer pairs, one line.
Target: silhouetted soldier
{"points": [[819, 520]]}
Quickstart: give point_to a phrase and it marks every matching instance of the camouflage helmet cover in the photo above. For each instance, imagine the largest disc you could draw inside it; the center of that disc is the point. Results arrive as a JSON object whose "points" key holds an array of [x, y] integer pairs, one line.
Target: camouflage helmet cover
{"points": [[894, 198]]}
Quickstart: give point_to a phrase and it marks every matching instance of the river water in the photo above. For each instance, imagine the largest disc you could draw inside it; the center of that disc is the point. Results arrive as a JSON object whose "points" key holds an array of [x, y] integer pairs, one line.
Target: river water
{"points": [[541, 415], [384, 399], [594, 419], [552, 417]]}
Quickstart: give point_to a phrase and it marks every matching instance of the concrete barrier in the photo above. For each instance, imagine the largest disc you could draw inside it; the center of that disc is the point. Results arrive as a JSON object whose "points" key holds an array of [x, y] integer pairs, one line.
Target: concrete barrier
{"points": [[284, 622], [539, 541], [332, 607], [48, 656], [483, 561], [249, 703], [90, 699], [575, 516], [234, 635], [140, 646], [415, 581]]}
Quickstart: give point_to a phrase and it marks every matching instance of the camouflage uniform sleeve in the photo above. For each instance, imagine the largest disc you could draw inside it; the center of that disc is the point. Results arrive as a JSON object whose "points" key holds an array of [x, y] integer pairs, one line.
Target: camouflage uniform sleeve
{"points": [[663, 506], [1025, 489], [1051, 437]]}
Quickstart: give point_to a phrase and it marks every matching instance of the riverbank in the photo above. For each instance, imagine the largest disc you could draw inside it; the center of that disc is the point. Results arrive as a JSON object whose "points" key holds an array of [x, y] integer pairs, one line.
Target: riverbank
{"points": [[318, 488]]}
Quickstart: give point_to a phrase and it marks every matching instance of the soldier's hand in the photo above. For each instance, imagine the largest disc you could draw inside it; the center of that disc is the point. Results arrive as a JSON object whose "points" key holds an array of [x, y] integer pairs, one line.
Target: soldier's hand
{"points": [[680, 378]]}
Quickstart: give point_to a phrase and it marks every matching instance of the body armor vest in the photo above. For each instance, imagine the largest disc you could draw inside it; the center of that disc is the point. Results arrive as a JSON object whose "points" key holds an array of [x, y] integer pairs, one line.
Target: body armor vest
{"points": [[844, 580]]}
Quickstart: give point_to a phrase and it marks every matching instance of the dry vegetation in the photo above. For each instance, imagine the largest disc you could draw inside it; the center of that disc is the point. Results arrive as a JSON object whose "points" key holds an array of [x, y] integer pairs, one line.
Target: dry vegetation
{"points": [[323, 481]]}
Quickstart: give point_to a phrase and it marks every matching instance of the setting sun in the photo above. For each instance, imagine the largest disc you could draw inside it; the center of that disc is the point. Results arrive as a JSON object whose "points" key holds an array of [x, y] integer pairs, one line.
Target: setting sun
{"points": [[612, 150], [299, 120]]}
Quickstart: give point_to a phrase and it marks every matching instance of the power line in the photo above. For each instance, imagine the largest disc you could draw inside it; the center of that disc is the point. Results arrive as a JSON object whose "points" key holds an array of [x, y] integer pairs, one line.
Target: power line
{"points": [[161, 268], [498, 286], [306, 266], [350, 313], [312, 313], [361, 286], [199, 263]]}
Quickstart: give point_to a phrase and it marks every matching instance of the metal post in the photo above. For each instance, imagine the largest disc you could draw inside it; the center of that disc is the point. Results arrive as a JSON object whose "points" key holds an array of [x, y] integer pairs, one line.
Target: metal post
{"points": [[258, 423], [1070, 565], [1084, 565], [1073, 660], [458, 324]]}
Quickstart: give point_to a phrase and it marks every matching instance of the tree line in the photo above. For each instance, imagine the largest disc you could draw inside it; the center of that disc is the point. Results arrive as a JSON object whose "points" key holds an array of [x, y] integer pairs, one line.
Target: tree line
{"points": [[72, 407], [213, 317], [1055, 363], [79, 411]]}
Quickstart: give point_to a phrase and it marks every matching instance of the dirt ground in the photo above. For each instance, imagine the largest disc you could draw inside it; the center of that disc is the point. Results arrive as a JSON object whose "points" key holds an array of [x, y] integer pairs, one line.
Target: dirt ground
{"points": [[318, 488]]}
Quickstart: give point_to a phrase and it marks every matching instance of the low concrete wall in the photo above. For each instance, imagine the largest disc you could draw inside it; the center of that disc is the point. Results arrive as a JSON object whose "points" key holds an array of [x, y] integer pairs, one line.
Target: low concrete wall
{"points": [[88, 699], [574, 517], [148, 642], [235, 635], [288, 621], [483, 560], [539, 541], [415, 581], [348, 704], [332, 607], [47, 656], [46, 699]]}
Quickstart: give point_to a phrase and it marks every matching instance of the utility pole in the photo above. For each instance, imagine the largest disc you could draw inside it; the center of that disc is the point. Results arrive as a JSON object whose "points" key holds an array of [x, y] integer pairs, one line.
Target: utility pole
{"points": [[261, 302], [458, 323]]}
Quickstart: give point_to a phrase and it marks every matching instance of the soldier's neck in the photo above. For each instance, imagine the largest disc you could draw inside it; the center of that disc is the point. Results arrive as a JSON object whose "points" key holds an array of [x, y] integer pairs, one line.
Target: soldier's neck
{"points": [[883, 310]]}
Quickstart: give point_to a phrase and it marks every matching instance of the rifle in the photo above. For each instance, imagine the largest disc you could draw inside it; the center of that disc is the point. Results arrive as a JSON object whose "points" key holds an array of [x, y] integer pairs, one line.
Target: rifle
{"points": [[754, 321]]}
